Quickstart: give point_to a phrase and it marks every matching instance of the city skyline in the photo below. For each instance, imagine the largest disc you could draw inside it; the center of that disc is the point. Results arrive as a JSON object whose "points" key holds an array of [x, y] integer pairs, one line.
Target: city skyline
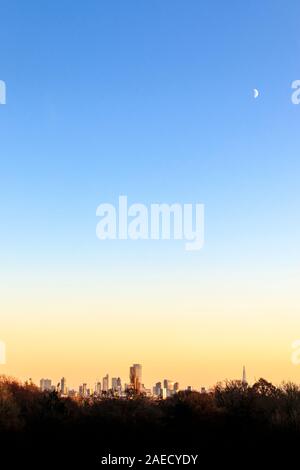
{"points": [[189, 373], [161, 389], [108, 383], [188, 376]]}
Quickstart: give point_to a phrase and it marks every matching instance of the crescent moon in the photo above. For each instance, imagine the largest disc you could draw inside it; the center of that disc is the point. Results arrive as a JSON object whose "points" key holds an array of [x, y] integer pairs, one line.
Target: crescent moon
{"points": [[256, 93]]}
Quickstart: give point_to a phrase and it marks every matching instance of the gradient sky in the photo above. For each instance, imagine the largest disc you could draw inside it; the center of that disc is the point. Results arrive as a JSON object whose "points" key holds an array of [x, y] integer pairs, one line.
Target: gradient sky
{"points": [[154, 100]]}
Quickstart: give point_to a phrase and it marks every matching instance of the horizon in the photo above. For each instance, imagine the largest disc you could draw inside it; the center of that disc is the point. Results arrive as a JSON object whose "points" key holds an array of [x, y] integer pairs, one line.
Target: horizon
{"points": [[182, 386]]}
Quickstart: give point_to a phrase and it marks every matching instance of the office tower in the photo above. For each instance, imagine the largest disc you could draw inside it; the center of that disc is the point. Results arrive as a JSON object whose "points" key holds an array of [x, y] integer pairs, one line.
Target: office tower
{"points": [[176, 387], [119, 384], [105, 383], [63, 386], [157, 389], [244, 380], [135, 375], [84, 390], [98, 388], [169, 385], [45, 385], [114, 383]]}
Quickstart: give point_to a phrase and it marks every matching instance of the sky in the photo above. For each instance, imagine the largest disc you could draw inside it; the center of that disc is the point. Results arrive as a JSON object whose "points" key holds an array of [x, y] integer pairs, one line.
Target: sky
{"points": [[153, 100]]}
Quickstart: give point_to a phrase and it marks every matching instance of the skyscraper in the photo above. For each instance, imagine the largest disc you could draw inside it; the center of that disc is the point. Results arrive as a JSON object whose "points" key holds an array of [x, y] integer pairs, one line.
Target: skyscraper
{"points": [[168, 384], [116, 384], [244, 380], [135, 375], [157, 389], [119, 384], [45, 385], [63, 386], [105, 383], [98, 388]]}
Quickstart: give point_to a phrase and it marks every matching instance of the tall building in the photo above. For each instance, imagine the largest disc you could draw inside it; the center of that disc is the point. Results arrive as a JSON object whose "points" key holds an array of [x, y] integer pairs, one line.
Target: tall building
{"points": [[116, 384], [119, 384], [244, 380], [45, 385], [169, 387], [105, 383], [168, 384], [63, 386], [135, 375], [176, 387], [98, 388], [157, 389]]}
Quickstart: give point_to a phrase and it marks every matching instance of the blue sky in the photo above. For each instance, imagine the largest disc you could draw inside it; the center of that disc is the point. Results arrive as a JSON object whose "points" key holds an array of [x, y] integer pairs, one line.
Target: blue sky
{"points": [[153, 100]]}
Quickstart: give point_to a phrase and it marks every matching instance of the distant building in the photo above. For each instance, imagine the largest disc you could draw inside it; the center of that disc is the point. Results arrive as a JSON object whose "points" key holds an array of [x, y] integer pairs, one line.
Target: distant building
{"points": [[84, 392], [135, 375], [105, 383], [119, 384], [244, 379], [116, 384], [45, 385], [176, 387], [63, 386], [98, 388], [157, 389], [168, 384]]}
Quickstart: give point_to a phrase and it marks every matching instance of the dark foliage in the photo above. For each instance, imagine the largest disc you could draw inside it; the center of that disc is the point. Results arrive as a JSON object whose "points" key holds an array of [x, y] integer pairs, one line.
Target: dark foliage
{"points": [[231, 422]]}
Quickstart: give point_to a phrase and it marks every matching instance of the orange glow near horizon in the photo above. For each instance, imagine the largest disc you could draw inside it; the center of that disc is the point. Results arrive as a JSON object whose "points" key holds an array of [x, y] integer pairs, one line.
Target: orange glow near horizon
{"points": [[196, 333]]}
